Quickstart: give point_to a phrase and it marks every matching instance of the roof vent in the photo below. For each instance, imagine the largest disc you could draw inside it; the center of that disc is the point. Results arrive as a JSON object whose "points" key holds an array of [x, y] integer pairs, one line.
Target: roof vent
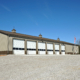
{"points": [[40, 35], [58, 39], [14, 31]]}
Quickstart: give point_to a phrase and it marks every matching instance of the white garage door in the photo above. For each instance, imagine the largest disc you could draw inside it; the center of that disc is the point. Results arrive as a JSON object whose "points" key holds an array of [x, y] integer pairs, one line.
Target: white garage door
{"points": [[31, 47], [62, 49], [18, 47], [50, 48], [41, 48], [57, 49]]}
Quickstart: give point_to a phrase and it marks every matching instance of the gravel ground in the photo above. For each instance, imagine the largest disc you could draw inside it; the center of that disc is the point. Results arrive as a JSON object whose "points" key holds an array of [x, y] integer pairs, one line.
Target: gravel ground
{"points": [[40, 67]]}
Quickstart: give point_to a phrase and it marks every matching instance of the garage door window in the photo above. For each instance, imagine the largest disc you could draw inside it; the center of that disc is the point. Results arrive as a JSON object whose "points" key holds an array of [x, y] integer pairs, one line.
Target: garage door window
{"points": [[62, 50], [49, 50], [18, 48], [31, 49], [41, 49]]}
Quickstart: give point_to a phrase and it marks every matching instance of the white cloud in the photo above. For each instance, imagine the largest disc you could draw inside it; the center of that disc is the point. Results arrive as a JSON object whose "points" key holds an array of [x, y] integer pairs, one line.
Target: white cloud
{"points": [[6, 8], [45, 15], [33, 20]]}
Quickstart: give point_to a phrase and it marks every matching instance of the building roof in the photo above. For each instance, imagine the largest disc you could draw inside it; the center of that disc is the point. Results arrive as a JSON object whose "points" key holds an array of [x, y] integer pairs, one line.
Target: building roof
{"points": [[32, 37]]}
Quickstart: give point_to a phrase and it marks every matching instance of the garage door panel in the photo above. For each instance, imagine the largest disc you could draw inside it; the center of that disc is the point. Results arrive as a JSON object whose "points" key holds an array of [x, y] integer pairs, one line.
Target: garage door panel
{"points": [[62, 47], [62, 53], [57, 52], [31, 44], [31, 47], [18, 52], [56, 47], [50, 46], [31, 52], [18, 43], [41, 48], [41, 45], [18, 46], [50, 52], [41, 52]]}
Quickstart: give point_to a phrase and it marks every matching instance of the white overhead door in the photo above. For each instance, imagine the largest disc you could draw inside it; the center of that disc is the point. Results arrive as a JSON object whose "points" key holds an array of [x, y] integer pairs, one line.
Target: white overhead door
{"points": [[31, 47], [50, 48], [18, 46], [41, 48], [62, 49], [57, 49]]}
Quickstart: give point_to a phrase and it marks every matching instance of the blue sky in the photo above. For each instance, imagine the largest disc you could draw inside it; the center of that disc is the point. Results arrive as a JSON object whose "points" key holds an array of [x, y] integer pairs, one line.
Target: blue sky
{"points": [[51, 18]]}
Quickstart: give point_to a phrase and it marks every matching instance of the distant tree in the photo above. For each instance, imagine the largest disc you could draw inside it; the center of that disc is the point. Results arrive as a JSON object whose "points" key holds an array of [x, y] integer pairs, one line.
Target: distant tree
{"points": [[78, 42]]}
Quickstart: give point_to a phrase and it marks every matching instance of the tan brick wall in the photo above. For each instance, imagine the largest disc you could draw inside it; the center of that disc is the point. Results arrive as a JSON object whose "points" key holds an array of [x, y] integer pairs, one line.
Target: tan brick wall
{"points": [[76, 49], [10, 43], [3, 42], [69, 48]]}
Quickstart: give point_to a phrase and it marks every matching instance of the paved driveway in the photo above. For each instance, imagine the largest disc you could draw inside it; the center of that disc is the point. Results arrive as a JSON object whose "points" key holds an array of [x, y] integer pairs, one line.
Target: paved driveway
{"points": [[40, 67]]}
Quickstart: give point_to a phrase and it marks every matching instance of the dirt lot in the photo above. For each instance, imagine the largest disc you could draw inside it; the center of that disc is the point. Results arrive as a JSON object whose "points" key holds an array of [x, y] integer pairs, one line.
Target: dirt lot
{"points": [[40, 67]]}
